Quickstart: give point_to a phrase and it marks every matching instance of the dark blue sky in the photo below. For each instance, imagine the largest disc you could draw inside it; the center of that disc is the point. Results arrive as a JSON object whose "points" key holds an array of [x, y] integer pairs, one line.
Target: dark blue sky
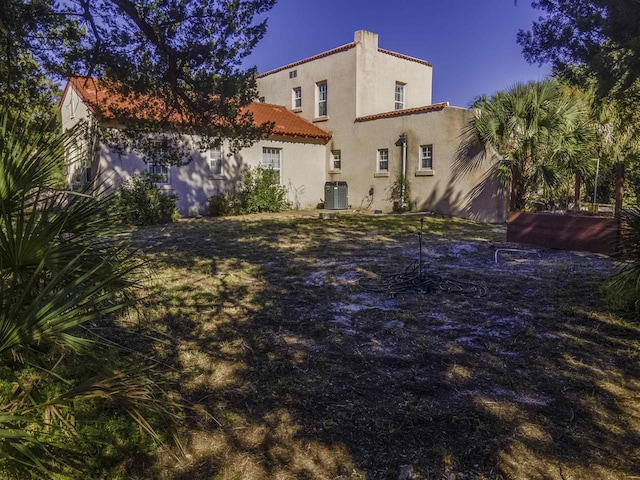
{"points": [[470, 43]]}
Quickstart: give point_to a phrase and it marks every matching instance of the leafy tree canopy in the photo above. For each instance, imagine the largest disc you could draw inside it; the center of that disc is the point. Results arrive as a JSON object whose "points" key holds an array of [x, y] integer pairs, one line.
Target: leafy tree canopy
{"points": [[185, 53], [588, 39]]}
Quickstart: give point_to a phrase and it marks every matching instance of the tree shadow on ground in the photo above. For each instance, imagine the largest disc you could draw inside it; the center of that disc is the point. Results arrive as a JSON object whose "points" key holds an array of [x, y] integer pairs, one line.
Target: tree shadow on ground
{"points": [[294, 371]]}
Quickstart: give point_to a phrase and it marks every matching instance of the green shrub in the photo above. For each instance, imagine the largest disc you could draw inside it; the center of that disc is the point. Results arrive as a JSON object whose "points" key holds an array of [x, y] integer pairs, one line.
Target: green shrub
{"points": [[141, 202], [222, 205], [66, 391], [261, 191], [400, 194]]}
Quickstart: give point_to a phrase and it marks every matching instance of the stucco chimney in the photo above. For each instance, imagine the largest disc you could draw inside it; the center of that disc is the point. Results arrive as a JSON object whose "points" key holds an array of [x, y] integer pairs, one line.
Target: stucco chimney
{"points": [[366, 39]]}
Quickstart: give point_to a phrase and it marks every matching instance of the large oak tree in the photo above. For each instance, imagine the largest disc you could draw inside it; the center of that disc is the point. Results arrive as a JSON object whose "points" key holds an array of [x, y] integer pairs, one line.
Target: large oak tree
{"points": [[187, 54], [588, 40]]}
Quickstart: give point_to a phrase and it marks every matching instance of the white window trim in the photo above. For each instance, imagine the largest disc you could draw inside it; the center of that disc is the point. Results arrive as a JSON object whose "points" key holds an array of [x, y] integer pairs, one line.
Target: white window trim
{"points": [[168, 167], [72, 106], [272, 150], [221, 159], [296, 108], [333, 160], [320, 101], [379, 159], [421, 158], [400, 104]]}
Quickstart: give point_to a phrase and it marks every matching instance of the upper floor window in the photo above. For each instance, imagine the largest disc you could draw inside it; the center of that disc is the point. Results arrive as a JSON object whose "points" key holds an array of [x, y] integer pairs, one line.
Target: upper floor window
{"points": [[293, 74], [215, 160], [383, 160], [426, 157], [72, 106], [271, 159], [297, 98], [322, 99], [336, 160], [399, 95]]}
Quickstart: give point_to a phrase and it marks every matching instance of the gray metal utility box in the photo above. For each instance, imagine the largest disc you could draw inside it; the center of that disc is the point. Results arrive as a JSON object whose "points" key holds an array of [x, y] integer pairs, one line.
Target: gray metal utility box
{"points": [[335, 196]]}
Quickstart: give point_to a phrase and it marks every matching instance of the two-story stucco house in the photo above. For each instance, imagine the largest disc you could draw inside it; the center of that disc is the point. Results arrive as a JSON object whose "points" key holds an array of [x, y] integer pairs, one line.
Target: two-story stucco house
{"points": [[357, 116], [296, 148], [377, 106]]}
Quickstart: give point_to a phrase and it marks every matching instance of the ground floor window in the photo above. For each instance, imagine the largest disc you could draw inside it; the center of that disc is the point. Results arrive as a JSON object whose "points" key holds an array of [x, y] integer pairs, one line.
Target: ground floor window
{"points": [[383, 160], [215, 160], [336, 160], [159, 172], [271, 158], [426, 157]]}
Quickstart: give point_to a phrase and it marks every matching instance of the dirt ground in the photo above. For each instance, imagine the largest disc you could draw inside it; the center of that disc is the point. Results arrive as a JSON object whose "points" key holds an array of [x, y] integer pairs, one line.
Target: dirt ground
{"points": [[303, 355]]}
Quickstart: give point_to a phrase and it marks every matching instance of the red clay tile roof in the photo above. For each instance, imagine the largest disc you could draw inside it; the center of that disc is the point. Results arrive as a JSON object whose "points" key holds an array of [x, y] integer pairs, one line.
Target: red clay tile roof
{"points": [[96, 94], [404, 57], [343, 48], [286, 123], [408, 111]]}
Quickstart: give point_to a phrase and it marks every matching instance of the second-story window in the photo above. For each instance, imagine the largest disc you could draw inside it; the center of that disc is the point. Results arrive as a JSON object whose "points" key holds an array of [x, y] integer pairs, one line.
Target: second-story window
{"points": [[399, 95], [322, 99], [297, 98]]}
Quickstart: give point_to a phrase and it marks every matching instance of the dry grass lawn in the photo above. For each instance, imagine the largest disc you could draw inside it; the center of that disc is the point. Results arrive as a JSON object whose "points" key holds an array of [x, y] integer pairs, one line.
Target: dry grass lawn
{"points": [[293, 370]]}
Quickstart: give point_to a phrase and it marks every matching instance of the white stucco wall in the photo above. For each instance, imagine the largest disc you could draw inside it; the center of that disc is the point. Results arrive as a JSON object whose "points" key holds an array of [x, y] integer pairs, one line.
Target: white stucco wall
{"points": [[360, 79], [448, 188], [302, 173], [303, 166], [377, 73], [338, 70]]}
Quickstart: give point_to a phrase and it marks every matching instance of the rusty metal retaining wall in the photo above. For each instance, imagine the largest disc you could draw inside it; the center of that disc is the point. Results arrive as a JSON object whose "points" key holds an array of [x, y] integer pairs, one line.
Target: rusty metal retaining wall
{"points": [[565, 232]]}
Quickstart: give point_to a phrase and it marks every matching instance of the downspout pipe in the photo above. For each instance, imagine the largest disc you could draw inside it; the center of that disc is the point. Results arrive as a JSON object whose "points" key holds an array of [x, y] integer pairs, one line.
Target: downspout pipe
{"points": [[402, 141]]}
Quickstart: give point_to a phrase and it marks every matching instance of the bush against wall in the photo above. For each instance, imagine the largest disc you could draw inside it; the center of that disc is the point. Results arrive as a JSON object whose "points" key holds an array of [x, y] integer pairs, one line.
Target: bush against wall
{"points": [[141, 202], [400, 194], [259, 191]]}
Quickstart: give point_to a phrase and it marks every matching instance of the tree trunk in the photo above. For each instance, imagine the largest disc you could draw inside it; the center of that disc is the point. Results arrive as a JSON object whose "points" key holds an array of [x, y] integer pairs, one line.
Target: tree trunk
{"points": [[576, 193], [515, 181], [619, 189]]}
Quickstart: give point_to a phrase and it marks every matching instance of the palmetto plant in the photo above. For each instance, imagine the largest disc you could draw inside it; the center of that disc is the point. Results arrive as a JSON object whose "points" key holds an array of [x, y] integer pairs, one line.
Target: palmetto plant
{"points": [[63, 269], [540, 132]]}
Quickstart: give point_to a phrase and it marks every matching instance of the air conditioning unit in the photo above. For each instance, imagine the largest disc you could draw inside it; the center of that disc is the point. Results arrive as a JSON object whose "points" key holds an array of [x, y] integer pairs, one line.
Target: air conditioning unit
{"points": [[335, 196]]}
